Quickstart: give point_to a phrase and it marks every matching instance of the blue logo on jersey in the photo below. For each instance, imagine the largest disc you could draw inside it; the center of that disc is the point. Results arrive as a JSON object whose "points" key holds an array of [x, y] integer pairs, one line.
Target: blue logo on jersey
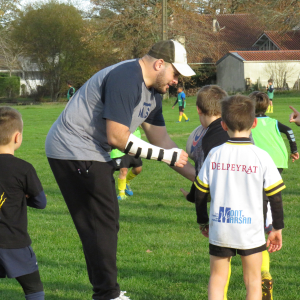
{"points": [[195, 141], [144, 111], [228, 215], [224, 214]]}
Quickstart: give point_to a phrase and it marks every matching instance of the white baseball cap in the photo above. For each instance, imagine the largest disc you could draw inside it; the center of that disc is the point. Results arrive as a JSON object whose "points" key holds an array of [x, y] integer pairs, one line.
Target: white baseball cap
{"points": [[172, 52]]}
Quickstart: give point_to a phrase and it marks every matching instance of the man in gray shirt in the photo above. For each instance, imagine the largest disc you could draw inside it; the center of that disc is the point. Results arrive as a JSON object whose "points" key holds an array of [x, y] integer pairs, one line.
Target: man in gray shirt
{"points": [[102, 115]]}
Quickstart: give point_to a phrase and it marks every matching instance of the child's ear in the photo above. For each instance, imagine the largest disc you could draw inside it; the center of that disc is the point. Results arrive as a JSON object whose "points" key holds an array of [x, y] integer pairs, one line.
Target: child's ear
{"points": [[224, 126], [17, 137], [254, 123], [199, 111]]}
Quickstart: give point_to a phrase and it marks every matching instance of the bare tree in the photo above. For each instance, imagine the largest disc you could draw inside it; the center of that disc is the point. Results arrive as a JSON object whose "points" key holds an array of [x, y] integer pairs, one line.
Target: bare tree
{"points": [[282, 72], [10, 52]]}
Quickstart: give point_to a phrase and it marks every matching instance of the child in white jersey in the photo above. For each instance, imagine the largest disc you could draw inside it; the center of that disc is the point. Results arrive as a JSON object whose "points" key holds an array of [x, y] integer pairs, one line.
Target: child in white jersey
{"points": [[234, 174]]}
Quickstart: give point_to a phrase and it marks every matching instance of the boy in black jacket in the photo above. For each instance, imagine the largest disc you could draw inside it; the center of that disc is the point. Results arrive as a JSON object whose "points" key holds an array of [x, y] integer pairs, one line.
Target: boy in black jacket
{"points": [[19, 188], [212, 134]]}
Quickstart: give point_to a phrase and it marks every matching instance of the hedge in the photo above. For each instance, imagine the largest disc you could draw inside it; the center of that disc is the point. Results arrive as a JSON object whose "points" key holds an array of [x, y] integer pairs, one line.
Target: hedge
{"points": [[9, 86]]}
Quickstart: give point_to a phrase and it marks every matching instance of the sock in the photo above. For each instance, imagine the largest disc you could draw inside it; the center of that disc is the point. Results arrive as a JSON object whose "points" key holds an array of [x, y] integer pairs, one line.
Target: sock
{"points": [[184, 115], [268, 109], [35, 296], [271, 109], [121, 186], [265, 261], [130, 176], [180, 117], [227, 283]]}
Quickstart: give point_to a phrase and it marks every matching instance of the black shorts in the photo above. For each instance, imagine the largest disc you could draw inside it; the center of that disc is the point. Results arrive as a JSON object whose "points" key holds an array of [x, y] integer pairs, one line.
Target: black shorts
{"points": [[181, 108], [127, 161], [227, 252], [17, 262]]}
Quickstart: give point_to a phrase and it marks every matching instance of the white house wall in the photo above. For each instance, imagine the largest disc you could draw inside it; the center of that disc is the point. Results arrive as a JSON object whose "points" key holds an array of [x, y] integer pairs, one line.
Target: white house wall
{"points": [[30, 85], [259, 71], [230, 74]]}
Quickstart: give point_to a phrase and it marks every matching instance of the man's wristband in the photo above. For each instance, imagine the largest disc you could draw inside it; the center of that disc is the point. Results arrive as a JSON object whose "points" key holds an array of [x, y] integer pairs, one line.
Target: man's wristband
{"points": [[139, 148]]}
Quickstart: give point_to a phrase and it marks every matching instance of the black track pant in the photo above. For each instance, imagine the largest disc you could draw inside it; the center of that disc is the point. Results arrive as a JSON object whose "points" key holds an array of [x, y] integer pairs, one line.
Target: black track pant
{"points": [[88, 188]]}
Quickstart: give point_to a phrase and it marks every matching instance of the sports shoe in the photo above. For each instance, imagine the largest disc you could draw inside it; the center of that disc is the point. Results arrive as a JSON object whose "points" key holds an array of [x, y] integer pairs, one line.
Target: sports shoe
{"points": [[187, 120], [124, 197], [122, 297], [178, 122], [267, 286], [128, 190]]}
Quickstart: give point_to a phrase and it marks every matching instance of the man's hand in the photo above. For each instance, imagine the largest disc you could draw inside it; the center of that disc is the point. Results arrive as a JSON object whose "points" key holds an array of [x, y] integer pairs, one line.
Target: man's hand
{"points": [[182, 161], [294, 156], [274, 241], [172, 107], [294, 116]]}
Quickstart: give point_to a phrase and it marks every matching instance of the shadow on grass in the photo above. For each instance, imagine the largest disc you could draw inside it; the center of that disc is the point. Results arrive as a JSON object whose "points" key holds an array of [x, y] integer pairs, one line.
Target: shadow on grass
{"points": [[167, 205], [54, 290]]}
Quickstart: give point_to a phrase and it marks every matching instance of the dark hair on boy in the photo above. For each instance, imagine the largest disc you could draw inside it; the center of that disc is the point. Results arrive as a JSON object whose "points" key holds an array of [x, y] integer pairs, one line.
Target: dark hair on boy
{"points": [[270, 80], [262, 102], [10, 122], [69, 82], [209, 100], [238, 112]]}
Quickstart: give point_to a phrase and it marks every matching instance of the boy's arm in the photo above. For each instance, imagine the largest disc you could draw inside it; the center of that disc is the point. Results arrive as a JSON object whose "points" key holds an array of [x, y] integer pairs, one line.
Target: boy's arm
{"points": [[201, 211], [290, 136], [175, 103], [201, 204], [189, 196], [38, 201], [201, 193], [33, 190], [276, 210], [270, 88], [274, 241]]}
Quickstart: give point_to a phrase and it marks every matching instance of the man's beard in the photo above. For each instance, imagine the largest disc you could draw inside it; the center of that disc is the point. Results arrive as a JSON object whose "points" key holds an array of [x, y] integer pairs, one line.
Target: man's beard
{"points": [[159, 84]]}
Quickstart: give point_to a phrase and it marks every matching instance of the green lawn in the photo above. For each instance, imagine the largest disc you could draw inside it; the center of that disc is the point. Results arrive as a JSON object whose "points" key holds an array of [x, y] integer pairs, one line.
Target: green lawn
{"points": [[161, 254]]}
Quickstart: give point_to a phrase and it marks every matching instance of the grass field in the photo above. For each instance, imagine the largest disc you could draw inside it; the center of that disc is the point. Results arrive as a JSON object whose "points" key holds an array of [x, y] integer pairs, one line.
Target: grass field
{"points": [[161, 254]]}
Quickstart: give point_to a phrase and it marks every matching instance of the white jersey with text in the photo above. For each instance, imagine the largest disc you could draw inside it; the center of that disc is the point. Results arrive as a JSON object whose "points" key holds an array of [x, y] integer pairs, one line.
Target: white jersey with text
{"points": [[235, 174]]}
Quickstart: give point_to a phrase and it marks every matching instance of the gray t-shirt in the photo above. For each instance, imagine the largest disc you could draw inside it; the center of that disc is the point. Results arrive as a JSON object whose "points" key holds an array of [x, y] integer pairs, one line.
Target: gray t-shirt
{"points": [[117, 93]]}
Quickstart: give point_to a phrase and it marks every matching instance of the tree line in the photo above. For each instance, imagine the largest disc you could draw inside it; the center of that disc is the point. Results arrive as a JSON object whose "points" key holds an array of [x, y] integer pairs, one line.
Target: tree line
{"points": [[64, 43]]}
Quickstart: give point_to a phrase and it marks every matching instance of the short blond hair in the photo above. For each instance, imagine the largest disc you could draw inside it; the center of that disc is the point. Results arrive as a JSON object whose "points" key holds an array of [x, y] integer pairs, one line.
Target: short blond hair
{"points": [[238, 112], [209, 100], [10, 123]]}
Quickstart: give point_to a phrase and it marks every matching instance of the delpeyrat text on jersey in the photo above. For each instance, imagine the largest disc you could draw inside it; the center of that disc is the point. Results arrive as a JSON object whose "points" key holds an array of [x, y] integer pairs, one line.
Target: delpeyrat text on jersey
{"points": [[233, 167]]}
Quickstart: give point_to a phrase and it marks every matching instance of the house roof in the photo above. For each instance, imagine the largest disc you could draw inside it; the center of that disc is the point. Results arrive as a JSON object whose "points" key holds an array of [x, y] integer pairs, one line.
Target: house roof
{"points": [[239, 31], [284, 41], [234, 32], [272, 55]]}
